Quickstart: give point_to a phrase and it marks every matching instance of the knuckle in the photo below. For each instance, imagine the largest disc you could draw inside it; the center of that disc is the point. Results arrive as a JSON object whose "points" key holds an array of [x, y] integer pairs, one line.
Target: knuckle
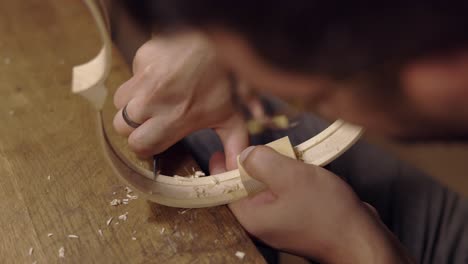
{"points": [[149, 70], [138, 145], [141, 56], [118, 98], [118, 125]]}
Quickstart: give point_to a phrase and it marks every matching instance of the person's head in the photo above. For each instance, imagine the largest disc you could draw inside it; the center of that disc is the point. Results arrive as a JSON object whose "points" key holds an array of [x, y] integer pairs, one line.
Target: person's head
{"points": [[399, 68]]}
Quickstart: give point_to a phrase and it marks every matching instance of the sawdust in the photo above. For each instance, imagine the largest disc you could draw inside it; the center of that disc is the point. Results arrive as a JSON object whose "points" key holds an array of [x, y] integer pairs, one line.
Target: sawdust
{"points": [[123, 217], [198, 174], [61, 252], [132, 197], [240, 254], [181, 212], [73, 236], [116, 202], [30, 252]]}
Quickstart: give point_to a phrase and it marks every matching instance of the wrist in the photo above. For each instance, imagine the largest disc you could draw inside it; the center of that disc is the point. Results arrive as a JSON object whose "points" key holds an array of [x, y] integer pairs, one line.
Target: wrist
{"points": [[368, 241]]}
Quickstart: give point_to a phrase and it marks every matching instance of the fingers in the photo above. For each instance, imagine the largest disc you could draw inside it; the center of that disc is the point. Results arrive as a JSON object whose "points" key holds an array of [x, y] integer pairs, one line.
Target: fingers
{"points": [[156, 135], [125, 92], [249, 204], [135, 113], [234, 136], [146, 53], [217, 163], [278, 172]]}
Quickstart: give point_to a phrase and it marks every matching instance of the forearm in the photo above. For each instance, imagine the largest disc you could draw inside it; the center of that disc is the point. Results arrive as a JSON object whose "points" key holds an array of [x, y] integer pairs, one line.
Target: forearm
{"points": [[371, 243]]}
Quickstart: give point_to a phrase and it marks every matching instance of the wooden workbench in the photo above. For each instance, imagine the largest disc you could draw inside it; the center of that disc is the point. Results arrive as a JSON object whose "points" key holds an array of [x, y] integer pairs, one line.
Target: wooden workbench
{"points": [[54, 180]]}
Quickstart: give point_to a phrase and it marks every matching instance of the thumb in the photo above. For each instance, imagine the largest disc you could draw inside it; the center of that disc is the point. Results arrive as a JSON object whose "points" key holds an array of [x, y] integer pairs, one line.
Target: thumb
{"points": [[270, 167], [234, 136]]}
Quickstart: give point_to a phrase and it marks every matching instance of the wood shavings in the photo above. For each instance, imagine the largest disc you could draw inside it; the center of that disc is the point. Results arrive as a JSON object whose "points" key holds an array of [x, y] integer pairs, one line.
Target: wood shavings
{"points": [[30, 252], [114, 193], [123, 217], [125, 201], [132, 197], [73, 236], [109, 221], [61, 252], [116, 202], [181, 212], [133, 238], [162, 230], [128, 190], [100, 232], [48, 177], [280, 121], [240, 254], [197, 174], [50, 234]]}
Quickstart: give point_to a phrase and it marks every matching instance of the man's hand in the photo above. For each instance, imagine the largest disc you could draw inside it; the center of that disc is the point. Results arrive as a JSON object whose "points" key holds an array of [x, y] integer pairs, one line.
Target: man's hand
{"points": [[310, 211], [178, 87]]}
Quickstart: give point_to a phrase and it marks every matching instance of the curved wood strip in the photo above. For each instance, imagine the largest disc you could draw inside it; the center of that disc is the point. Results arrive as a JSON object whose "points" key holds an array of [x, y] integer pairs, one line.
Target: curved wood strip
{"points": [[88, 81], [329, 144]]}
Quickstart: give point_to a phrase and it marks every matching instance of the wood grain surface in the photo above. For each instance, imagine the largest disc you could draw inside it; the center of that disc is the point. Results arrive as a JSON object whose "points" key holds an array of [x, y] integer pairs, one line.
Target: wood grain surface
{"points": [[53, 177]]}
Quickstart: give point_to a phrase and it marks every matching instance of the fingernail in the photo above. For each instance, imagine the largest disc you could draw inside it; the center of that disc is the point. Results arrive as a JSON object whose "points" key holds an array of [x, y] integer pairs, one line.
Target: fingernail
{"points": [[245, 153]]}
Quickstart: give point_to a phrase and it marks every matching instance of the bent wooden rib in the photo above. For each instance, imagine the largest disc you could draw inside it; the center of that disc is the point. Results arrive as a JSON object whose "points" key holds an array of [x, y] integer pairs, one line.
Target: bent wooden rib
{"points": [[88, 81]]}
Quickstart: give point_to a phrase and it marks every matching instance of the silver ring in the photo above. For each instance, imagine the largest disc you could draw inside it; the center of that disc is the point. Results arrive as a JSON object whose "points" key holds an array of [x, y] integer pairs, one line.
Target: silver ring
{"points": [[127, 119]]}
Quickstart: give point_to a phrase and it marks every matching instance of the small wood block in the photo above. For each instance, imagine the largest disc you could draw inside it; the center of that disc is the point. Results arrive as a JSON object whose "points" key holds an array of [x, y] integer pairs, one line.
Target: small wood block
{"points": [[251, 185]]}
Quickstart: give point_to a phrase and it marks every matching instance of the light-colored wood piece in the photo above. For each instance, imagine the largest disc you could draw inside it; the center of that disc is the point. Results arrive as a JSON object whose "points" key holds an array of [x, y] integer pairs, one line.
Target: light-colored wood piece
{"points": [[54, 178], [89, 78], [204, 191], [251, 185]]}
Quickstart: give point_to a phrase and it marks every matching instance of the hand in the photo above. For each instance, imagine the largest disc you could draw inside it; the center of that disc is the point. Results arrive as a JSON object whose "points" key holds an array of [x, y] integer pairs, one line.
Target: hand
{"points": [[178, 87], [310, 211]]}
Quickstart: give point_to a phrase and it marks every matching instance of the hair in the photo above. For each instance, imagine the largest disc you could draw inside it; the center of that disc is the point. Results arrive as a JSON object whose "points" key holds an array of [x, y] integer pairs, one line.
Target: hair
{"points": [[339, 39]]}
